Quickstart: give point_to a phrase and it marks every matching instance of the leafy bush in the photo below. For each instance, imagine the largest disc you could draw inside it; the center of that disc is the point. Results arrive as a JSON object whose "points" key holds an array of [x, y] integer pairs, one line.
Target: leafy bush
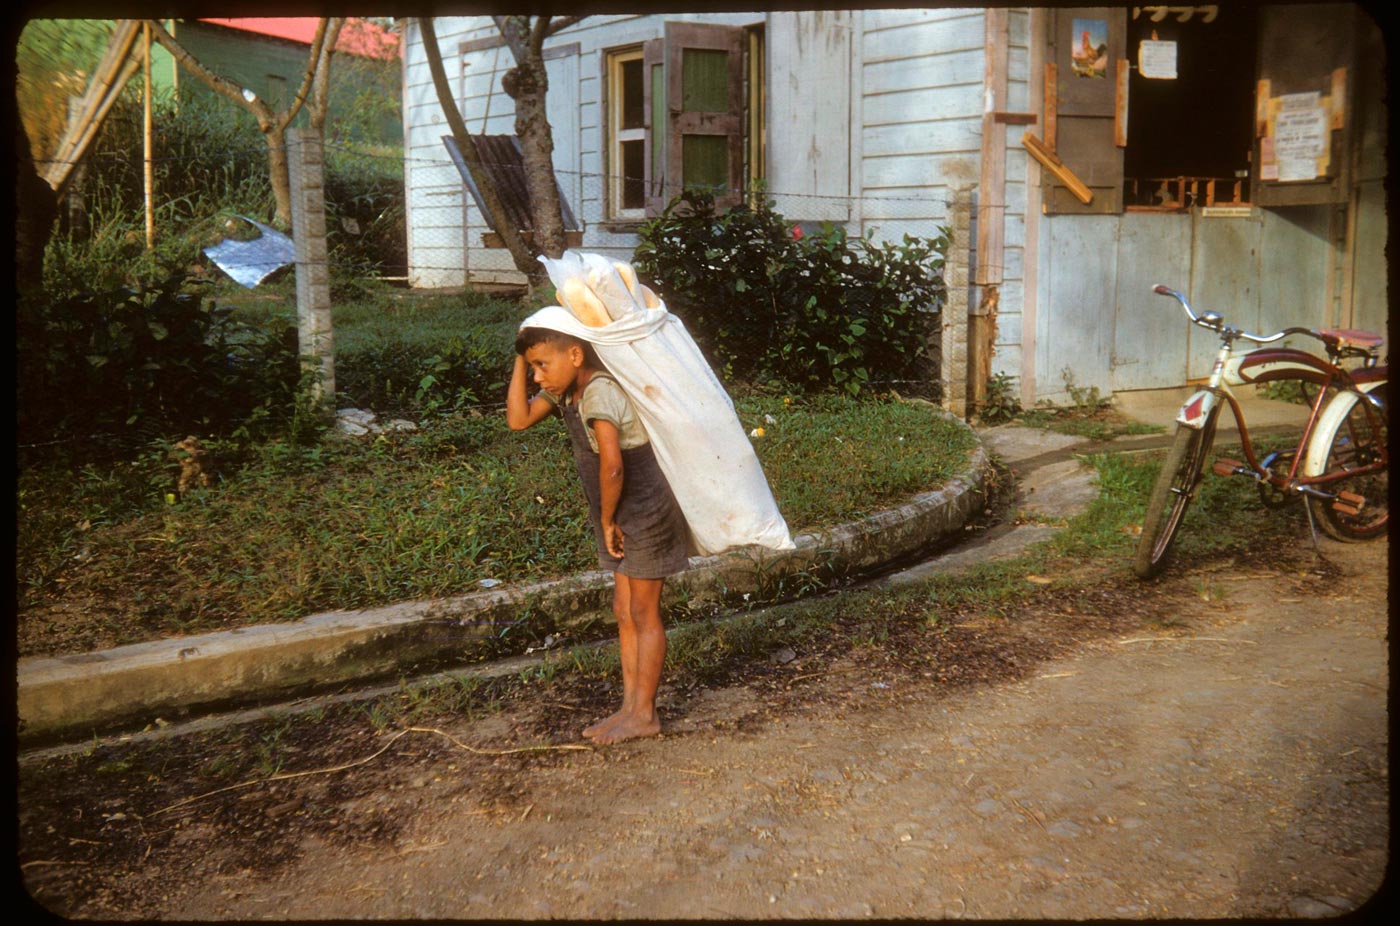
{"points": [[144, 362], [816, 312]]}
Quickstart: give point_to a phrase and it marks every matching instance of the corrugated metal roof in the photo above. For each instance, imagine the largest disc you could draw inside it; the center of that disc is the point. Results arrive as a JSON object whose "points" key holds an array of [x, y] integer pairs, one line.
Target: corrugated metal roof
{"points": [[357, 36], [504, 163]]}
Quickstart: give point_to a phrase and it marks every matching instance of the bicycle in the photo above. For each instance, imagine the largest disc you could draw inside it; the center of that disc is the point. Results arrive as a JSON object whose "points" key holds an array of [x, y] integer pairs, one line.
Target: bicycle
{"points": [[1339, 465]]}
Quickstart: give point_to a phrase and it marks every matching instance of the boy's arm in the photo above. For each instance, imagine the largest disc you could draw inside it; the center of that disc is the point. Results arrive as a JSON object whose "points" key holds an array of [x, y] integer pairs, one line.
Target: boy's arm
{"points": [[610, 479], [521, 411]]}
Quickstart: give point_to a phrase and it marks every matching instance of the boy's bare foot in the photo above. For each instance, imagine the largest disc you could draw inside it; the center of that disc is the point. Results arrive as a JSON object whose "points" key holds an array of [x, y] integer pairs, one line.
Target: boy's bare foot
{"points": [[593, 731], [626, 728]]}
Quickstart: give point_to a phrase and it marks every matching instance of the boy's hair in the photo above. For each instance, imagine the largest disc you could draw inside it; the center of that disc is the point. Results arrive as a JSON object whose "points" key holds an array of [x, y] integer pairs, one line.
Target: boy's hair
{"points": [[529, 337]]}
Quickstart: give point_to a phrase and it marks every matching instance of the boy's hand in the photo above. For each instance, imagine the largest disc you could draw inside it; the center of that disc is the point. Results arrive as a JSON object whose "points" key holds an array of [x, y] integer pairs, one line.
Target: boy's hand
{"points": [[612, 537]]}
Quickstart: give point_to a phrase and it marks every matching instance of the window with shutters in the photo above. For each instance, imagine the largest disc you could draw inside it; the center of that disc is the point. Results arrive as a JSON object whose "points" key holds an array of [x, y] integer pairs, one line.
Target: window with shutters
{"points": [[683, 112]]}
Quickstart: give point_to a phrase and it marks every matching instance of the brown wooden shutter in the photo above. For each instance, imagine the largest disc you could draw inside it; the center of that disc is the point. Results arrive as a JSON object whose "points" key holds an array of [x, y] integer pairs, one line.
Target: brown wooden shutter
{"points": [[1085, 101], [1304, 111], [704, 111], [654, 99]]}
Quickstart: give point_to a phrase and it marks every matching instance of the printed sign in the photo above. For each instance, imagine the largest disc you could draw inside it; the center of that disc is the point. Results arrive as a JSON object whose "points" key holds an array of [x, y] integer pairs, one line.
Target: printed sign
{"points": [[1297, 146], [1157, 60]]}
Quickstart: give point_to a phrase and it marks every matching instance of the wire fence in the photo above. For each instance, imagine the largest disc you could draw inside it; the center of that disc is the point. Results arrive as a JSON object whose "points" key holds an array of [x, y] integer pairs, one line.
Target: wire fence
{"points": [[428, 235]]}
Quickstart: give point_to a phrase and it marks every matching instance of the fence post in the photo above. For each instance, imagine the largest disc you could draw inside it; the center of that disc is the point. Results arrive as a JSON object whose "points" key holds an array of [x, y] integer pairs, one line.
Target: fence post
{"points": [[306, 172], [952, 366]]}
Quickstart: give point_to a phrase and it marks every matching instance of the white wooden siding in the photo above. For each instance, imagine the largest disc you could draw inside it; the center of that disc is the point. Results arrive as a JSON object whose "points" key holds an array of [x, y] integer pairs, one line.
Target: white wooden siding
{"points": [[809, 114]]}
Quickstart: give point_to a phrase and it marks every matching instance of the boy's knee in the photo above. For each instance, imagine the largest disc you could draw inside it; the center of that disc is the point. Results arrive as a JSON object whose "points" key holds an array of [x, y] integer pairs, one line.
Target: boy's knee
{"points": [[643, 613]]}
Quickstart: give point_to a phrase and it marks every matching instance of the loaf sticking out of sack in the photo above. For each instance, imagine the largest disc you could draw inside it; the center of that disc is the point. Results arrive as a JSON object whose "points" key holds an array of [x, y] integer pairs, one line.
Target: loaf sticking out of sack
{"points": [[583, 303], [640, 291], [608, 284], [598, 291]]}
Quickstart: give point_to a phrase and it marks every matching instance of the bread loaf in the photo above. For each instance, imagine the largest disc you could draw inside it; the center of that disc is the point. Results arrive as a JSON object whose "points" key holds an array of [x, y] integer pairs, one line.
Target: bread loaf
{"points": [[629, 276], [580, 300]]}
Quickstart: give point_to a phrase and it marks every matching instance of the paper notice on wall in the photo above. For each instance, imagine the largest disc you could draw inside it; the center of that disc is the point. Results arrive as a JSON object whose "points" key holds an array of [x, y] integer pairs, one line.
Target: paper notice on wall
{"points": [[1157, 59], [1301, 136]]}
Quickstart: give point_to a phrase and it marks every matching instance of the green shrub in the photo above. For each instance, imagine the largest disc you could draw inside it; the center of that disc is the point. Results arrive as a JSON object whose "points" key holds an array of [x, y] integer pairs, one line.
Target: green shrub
{"points": [[139, 363], [816, 312]]}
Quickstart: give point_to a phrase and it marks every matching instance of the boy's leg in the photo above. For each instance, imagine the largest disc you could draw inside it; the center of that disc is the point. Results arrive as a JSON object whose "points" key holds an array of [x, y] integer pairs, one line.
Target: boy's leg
{"points": [[627, 651], [646, 652]]}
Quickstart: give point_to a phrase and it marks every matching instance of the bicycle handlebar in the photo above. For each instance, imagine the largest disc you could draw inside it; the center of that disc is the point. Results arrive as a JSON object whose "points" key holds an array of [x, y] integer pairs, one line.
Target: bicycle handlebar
{"points": [[1214, 322]]}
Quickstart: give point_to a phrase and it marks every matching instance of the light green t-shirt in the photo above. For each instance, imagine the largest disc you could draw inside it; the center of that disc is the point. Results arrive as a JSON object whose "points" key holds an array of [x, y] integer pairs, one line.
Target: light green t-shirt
{"points": [[602, 398]]}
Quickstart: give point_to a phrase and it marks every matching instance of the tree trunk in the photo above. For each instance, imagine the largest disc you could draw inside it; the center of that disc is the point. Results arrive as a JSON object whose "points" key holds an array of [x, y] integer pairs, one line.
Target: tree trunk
{"points": [[276, 136], [520, 252], [528, 85]]}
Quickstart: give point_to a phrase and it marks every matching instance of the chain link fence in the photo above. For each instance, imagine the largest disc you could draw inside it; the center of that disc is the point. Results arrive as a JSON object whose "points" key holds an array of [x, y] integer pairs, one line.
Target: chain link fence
{"points": [[450, 245], [417, 229]]}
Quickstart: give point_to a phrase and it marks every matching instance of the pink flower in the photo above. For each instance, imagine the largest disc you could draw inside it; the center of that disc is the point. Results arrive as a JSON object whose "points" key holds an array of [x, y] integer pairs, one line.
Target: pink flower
{"points": [[797, 233]]}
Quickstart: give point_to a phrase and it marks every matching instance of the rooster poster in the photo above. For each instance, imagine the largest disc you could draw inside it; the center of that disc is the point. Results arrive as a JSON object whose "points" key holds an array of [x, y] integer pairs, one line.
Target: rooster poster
{"points": [[1089, 53]]}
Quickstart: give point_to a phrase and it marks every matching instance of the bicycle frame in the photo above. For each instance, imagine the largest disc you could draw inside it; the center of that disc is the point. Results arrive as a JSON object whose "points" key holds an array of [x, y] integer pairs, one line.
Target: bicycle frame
{"points": [[1338, 465], [1273, 364]]}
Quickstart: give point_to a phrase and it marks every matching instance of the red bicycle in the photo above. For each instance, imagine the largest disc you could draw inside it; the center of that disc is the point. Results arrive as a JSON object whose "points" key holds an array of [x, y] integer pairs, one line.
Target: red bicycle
{"points": [[1340, 463]]}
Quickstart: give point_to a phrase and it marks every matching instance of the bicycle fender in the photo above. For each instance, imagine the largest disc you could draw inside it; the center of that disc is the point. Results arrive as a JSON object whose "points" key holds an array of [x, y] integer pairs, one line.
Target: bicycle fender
{"points": [[1327, 424], [1195, 411]]}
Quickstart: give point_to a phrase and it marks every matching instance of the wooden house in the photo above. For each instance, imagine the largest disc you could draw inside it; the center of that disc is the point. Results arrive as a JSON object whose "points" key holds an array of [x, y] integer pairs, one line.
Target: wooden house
{"points": [[1234, 153]]}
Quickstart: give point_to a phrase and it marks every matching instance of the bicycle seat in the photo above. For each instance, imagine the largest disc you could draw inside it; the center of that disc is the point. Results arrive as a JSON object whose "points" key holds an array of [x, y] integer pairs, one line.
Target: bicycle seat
{"points": [[1350, 339]]}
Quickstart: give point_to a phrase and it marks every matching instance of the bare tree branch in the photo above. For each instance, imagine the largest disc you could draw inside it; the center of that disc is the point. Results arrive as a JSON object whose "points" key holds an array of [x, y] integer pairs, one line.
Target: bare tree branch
{"points": [[215, 82], [272, 123], [560, 23], [313, 63], [511, 28], [321, 85]]}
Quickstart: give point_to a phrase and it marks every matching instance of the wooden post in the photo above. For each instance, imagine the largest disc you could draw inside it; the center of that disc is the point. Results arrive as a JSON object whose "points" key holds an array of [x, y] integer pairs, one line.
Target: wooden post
{"points": [[306, 172], [952, 353], [150, 179], [991, 213]]}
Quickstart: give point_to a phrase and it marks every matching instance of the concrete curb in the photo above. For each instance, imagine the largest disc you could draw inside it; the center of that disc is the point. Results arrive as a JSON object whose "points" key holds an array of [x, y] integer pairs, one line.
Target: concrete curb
{"points": [[84, 694]]}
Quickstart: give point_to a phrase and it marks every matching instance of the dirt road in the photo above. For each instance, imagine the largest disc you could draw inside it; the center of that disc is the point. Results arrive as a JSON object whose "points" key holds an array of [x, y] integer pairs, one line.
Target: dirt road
{"points": [[1224, 755]]}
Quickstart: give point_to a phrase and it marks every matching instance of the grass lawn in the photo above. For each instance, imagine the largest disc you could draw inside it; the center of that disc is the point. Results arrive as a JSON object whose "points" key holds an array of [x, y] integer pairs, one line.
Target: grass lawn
{"points": [[104, 557]]}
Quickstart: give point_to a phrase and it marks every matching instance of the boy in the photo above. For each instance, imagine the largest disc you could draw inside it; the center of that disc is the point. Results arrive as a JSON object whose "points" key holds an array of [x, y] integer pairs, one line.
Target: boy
{"points": [[640, 532]]}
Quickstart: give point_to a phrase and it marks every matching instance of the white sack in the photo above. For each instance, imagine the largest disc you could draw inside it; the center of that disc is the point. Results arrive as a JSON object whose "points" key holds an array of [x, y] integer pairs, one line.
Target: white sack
{"points": [[699, 443]]}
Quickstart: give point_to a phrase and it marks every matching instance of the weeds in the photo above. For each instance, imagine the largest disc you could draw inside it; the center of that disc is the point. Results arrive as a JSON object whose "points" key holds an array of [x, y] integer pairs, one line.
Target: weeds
{"points": [[1001, 403], [290, 529], [1089, 414]]}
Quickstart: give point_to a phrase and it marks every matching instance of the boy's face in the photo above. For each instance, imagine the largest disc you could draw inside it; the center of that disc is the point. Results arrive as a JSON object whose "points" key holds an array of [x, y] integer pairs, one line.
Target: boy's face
{"points": [[554, 368]]}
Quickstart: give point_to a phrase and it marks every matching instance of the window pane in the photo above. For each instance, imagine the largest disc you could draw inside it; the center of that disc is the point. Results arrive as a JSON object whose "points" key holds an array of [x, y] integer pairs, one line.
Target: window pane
{"points": [[633, 190], [632, 105], [705, 80], [705, 161]]}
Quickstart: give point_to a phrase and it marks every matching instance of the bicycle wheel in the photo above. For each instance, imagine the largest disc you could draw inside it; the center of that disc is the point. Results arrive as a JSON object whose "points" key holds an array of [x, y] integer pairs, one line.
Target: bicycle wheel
{"points": [[1176, 486], [1353, 437]]}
